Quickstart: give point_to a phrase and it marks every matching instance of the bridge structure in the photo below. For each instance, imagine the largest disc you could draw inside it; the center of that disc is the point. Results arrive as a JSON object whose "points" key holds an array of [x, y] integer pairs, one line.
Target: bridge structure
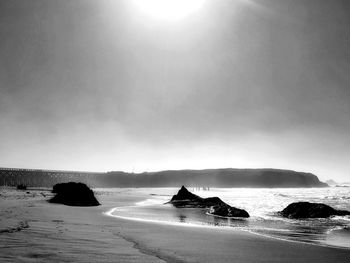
{"points": [[44, 178]]}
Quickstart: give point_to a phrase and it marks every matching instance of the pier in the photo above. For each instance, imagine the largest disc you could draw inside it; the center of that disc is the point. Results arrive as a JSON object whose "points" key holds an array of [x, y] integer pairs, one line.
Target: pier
{"points": [[43, 178]]}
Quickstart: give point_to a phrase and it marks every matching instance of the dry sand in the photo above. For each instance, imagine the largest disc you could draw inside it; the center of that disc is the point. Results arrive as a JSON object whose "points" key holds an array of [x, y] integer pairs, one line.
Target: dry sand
{"points": [[33, 230]]}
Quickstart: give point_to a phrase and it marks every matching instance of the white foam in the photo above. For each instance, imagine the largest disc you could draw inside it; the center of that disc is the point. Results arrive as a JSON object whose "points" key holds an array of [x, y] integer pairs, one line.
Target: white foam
{"points": [[262, 205], [148, 202], [251, 231], [183, 224]]}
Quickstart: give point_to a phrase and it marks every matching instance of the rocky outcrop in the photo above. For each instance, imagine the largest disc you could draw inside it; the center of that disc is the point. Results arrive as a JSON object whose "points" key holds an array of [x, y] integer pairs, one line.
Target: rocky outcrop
{"points": [[228, 211], [74, 194], [184, 194], [216, 206], [184, 198], [301, 210]]}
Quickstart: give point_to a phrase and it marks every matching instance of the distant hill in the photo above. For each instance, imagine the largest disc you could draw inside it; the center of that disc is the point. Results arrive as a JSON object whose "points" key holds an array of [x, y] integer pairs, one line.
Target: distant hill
{"points": [[212, 178], [331, 182], [173, 178]]}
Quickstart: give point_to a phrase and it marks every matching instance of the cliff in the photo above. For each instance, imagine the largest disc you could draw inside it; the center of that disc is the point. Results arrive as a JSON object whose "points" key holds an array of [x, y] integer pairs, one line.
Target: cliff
{"points": [[212, 178], [228, 177]]}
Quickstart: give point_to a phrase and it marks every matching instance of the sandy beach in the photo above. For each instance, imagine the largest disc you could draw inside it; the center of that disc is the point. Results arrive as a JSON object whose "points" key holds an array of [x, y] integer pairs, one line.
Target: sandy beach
{"points": [[33, 230]]}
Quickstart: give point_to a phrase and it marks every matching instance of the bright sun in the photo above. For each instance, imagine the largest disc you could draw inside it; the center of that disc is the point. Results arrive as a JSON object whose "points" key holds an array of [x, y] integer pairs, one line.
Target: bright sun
{"points": [[171, 10]]}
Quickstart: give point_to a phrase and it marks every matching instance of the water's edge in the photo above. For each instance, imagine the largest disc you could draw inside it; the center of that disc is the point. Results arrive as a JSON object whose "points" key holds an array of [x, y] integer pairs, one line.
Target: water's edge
{"points": [[110, 213]]}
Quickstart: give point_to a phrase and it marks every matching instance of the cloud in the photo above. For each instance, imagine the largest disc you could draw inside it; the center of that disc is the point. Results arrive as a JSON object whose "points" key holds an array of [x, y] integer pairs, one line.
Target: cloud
{"points": [[85, 81]]}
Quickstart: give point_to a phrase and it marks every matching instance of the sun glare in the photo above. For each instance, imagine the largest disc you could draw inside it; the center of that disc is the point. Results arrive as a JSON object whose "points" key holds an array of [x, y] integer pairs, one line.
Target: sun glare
{"points": [[171, 10]]}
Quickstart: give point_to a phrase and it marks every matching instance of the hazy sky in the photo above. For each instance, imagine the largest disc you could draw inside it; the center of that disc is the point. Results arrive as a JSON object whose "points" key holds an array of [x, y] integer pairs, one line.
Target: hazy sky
{"points": [[101, 85]]}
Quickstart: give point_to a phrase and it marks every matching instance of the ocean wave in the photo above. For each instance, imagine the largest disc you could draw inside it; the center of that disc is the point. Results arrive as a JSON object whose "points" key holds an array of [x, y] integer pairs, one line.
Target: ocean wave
{"points": [[281, 195], [112, 211], [340, 230], [227, 217], [340, 218], [263, 206], [149, 202]]}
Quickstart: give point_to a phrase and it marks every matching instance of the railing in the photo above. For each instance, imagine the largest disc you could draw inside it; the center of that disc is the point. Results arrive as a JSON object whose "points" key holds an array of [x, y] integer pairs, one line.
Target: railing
{"points": [[43, 178]]}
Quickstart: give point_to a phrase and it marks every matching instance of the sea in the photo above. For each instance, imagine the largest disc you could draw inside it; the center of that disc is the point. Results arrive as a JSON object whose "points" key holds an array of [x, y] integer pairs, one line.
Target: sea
{"points": [[263, 205]]}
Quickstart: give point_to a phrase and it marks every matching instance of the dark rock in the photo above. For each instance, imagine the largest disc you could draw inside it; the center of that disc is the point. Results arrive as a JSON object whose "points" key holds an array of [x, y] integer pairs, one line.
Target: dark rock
{"points": [[227, 211], [311, 210], [184, 198], [184, 194], [216, 206], [73, 194], [21, 187]]}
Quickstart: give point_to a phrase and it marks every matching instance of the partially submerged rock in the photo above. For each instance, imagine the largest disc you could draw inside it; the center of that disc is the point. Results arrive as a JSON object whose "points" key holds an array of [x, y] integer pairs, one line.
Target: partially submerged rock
{"points": [[311, 210], [216, 206], [227, 211], [73, 194], [184, 198]]}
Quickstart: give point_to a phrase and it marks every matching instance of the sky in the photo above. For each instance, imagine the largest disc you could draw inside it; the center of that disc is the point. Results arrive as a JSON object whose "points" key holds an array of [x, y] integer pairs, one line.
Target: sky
{"points": [[104, 85]]}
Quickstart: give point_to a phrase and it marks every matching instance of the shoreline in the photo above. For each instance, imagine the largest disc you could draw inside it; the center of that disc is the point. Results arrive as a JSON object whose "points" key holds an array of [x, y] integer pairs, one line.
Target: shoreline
{"points": [[59, 233], [189, 225]]}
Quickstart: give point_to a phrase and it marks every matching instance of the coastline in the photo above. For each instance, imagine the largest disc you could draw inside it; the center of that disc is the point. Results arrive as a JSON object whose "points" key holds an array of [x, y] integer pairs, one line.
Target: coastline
{"points": [[58, 233]]}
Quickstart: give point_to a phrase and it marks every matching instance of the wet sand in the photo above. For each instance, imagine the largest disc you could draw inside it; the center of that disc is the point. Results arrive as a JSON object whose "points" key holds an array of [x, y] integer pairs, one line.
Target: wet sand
{"points": [[33, 230]]}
